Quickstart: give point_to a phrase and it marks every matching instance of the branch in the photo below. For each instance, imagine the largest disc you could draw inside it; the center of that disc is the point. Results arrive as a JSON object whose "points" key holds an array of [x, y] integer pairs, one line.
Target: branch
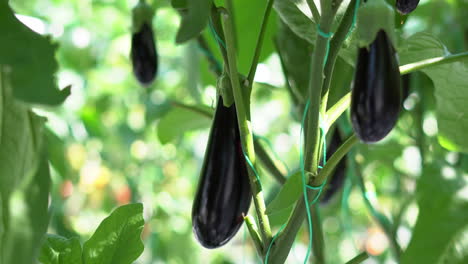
{"points": [[359, 258], [258, 48], [432, 62], [245, 130]]}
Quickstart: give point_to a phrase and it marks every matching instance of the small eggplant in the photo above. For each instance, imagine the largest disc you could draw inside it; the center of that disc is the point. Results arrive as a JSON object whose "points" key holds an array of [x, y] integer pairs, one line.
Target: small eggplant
{"points": [[143, 54], [376, 94], [338, 176], [406, 6], [223, 193]]}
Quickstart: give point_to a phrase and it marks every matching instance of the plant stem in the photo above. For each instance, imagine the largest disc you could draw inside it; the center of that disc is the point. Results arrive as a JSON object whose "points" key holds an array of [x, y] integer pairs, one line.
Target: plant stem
{"points": [[193, 108], [337, 110], [258, 48], [268, 162], [335, 45], [359, 258], [317, 235], [218, 30], [312, 136], [253, 231], [283, 244], [245, 131], [415, 66], [313, 10]]}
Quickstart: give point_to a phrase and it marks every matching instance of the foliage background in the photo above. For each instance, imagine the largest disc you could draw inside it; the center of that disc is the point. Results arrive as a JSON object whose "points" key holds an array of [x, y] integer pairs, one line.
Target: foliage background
{"points": [[113, 142]]}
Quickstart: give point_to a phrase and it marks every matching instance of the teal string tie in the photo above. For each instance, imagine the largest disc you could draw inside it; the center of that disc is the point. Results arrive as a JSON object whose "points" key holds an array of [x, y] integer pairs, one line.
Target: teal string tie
{"points": [[215, 34], [272, 242], [252, 167]]}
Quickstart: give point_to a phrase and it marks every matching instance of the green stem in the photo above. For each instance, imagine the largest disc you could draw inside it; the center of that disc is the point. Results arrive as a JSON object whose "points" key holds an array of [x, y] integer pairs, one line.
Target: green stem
{"points": [[359, 258], [245, 131], [253, 231], [312, 135], [334, 160], [283, 244], [335, 45], [193, 108], [336, 110], [2, 103], [416, 66], [268, 162], [218, 30], [318, 240], [258, 48], [313, 10]]}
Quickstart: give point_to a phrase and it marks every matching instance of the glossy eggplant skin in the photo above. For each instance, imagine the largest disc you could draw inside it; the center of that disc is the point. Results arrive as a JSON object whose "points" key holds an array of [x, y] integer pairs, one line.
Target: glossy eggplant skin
{"points": [[144, 55], [406, 6], [223, 193], [376, 93], [338, 176]]}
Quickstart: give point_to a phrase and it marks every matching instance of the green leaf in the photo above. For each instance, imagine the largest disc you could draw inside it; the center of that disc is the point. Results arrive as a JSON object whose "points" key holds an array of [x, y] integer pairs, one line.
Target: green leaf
{"points": [[117, 239], [28, 217], [442, 214], [375, 16], [450, 82], [60, 250], [57, 153], [248, 18], [296, 53], [287, 196], [194, 20], [30, 60], [180, 120], [296, 20]]}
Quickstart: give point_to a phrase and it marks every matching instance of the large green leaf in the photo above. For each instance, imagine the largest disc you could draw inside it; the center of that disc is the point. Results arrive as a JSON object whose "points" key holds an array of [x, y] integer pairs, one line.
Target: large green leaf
{"points": [[194, 19], [451, 93], [248, 16], [442, 214], [180, 120], [30, 60], [60, 250], [296, 53], [117, 239], [288, 195], [296, 20], [27, 218]]}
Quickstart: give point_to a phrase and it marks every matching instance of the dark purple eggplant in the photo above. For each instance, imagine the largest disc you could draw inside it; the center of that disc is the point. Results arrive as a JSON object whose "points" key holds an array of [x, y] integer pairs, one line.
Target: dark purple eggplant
{"points": [[376, 94], [338, 176], [406, 6], [144, 55], [223, 193]]}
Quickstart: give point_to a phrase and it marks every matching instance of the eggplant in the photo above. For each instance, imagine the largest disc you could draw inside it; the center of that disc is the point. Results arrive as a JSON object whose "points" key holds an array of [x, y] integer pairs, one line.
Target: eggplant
{"points": [[223, 195], [376, 94], [406, 6], [144, 55], [338, 176]]}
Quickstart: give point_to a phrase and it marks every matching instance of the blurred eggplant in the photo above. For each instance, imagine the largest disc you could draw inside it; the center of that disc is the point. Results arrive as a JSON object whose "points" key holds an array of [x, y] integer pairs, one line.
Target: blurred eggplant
{"points": [[406, 6], [223, 195], [143, 51], [338, 176]]}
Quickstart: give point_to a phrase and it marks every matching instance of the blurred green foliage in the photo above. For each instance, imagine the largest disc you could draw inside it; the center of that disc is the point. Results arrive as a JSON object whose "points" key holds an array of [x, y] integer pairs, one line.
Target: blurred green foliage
{"points": [[113, 142]]}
